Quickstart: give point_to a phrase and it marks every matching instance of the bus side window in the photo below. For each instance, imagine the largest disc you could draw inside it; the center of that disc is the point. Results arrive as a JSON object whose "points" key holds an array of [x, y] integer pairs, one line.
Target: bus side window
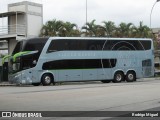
{"points": [[51, 47]]}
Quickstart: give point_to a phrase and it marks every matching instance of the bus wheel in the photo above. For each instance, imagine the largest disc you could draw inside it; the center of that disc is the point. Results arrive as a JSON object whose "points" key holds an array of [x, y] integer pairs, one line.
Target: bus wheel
{"points": [[130, 76], [118, 77], [46, 79], [106, 81], [36, 84]]}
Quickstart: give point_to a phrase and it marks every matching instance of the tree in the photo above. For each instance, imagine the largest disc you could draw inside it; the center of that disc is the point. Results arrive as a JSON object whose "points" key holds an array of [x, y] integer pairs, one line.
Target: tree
{"points": [[69, 30], [59, 28], [124, 30], [109, 28], [51, 28], [90, 29], [143, 31]]}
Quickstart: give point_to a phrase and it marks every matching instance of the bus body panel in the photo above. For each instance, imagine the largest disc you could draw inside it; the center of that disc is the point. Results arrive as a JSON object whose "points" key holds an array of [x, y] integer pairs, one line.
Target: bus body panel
{"points": [[140, 61]]}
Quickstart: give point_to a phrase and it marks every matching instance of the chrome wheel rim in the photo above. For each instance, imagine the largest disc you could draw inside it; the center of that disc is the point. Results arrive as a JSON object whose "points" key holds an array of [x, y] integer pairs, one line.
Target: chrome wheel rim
{"points": [[130, 76], [118, 77], [47, 79]]}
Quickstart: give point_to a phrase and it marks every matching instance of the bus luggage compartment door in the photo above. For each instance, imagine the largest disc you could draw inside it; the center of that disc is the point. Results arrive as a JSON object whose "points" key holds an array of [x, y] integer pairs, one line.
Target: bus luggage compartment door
{"points": [[147, 67], [70, 75]]}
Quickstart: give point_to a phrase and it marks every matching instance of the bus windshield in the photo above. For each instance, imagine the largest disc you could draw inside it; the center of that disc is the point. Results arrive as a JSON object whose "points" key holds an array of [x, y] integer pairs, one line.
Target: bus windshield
{"points": [[28, 52]]}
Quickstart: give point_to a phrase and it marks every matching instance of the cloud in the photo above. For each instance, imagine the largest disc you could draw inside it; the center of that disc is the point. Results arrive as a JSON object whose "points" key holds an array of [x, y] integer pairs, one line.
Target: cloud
{"points": [[117, 11]]}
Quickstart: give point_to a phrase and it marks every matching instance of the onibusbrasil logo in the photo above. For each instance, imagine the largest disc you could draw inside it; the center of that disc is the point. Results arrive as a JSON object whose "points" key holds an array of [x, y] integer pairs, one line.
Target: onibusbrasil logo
{"points": [[21, 114]]}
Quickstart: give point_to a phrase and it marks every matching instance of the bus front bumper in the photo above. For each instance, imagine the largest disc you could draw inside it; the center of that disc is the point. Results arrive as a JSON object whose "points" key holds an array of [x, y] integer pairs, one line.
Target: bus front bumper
{"points": [[20, 78]]}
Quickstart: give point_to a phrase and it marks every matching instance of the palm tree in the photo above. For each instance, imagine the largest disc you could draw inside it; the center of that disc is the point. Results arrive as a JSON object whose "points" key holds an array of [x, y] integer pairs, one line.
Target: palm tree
{"points": [[90, 29], [59, 28], [51, 28], [100, 32], [143, 31], [109, 28], [69, 30], [124, 30]]}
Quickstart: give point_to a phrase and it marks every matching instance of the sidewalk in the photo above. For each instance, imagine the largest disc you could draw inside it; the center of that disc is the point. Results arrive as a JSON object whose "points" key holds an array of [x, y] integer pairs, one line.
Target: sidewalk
{"points": [[9, 84], [6, 84]]}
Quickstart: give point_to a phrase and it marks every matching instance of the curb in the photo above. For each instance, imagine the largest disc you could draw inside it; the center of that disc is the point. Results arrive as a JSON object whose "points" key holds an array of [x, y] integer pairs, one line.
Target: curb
{"points": [[6, 84], [9, 84]]}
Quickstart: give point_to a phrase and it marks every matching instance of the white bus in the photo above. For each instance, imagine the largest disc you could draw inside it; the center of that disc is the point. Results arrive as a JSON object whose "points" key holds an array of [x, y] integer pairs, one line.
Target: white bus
{"points": [[62, 59]]}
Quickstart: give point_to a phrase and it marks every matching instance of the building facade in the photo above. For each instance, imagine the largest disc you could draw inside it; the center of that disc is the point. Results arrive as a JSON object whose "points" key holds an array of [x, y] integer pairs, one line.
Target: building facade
{"points": [[25, 19]]}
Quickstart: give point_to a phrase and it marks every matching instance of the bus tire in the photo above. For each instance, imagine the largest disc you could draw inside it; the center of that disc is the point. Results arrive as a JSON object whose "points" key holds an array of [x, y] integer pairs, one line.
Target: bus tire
{"points": [[36, 84], [46, 79], [118, 77], [131, 76], [105, 81]]}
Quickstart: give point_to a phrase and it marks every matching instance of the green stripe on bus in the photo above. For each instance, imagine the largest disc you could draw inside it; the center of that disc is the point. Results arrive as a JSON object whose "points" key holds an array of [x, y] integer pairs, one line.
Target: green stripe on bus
{"points": [[19, 54], [5, 57]]}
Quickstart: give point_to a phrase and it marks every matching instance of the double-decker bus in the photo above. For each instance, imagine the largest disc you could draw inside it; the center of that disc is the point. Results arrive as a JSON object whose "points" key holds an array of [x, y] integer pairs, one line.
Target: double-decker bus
{"points": [[62, 59]]}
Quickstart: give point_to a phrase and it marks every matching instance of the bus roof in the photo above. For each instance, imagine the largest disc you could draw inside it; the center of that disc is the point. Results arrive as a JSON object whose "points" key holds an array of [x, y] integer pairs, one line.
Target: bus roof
{"points": [[99, 38]]}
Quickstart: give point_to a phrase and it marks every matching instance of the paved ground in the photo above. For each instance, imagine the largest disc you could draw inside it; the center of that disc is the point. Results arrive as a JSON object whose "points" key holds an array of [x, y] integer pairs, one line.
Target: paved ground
{"points": [[91, 96]]}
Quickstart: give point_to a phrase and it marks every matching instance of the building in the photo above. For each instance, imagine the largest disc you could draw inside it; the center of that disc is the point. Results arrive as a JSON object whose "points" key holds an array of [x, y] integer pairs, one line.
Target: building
{"points": [[156, 32], [25, 19]]}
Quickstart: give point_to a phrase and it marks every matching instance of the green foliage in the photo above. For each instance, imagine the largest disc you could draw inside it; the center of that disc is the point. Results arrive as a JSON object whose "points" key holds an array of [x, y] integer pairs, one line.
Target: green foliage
{"points": [[91, 29], [107, 29], [59, 28]]}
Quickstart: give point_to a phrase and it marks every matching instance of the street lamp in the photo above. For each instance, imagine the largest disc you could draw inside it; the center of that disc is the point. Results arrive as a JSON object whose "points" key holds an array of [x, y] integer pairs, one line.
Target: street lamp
{"points": [[151, 12], [87, 11], [86, 14]]}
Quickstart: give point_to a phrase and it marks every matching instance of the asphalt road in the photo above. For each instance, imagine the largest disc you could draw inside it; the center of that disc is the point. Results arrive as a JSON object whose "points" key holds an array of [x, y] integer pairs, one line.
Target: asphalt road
{"points": [[90, 96]]}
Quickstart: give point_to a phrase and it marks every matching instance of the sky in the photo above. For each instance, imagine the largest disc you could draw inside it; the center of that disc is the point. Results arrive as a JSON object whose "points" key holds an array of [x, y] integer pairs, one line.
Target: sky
{"points": [[117, 11]]}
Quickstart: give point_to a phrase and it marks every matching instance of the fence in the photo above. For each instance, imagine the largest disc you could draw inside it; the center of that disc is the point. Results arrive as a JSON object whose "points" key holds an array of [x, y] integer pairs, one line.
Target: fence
{"points": [[13, 29]]}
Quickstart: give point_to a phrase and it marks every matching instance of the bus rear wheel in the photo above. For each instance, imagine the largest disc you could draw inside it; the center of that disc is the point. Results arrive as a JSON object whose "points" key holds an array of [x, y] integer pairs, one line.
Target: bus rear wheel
{"points": [[47, 79], [118, 77], [130, 76]]}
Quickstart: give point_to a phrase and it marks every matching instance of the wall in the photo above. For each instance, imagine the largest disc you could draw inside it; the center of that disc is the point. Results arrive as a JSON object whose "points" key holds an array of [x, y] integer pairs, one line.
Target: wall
{"points": [[11, 45], [34, 25], [34, 19], [35, 9], [17, 8]]}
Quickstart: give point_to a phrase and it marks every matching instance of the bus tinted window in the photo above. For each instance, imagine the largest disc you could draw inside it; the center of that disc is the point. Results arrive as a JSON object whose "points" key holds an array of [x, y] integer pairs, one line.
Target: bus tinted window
{"points": [[146, 45], [60, 45], [79, 64], [127, 45], [35, 44], [146, 63]]}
